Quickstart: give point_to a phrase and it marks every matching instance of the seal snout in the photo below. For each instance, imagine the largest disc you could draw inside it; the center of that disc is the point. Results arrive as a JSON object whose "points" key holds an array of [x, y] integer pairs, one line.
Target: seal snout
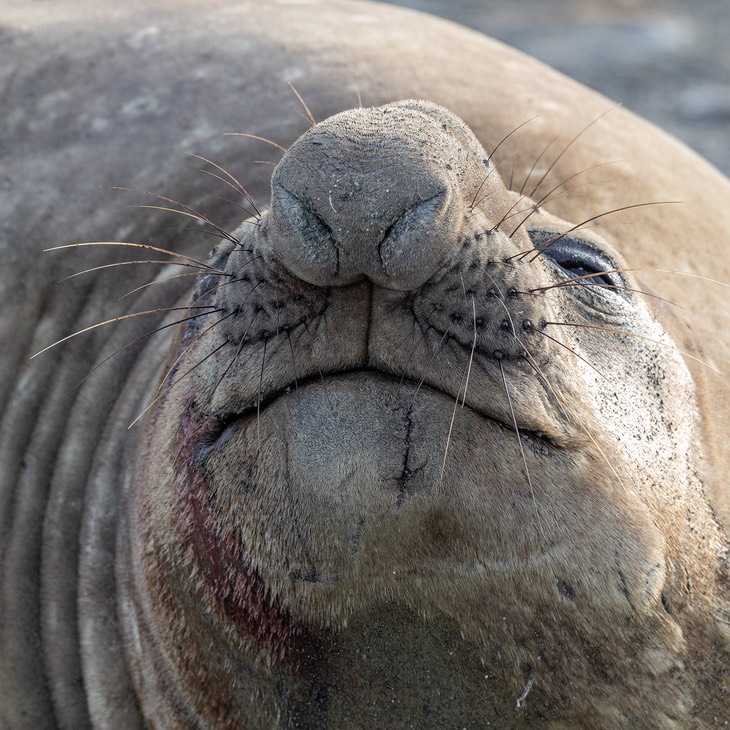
{"points": [[371, 193], [342, 246]]}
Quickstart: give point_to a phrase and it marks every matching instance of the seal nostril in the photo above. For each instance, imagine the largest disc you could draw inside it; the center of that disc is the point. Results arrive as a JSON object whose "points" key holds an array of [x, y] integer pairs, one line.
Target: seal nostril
{"points": [[313, 225], [304, 241], [417, 216], [414, 245]]}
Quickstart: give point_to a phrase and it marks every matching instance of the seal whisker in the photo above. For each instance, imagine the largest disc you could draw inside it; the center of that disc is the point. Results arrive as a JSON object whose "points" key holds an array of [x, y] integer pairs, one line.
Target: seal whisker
{"points": [[614, 330], [116, 319], [571, 351], [476, 201], [194, 216], [473, 348], [576, 281], [239, 349], [564, 150], [531, 210], [521, 191], [161, 388], [144, 336], [181, 378], [186, 210], [568, 411], [145, 246], [508, 212], [522, 448], [293, 360], [465, 383], [259, 398], [562, 183], [431, 360], [555, 193], [684, 273], [537, 252], [233, 182], [259, 139], [490, 157], [571, 191], [250, 214], [135, 262], [307, 113], [202, 231], [159, 281]]}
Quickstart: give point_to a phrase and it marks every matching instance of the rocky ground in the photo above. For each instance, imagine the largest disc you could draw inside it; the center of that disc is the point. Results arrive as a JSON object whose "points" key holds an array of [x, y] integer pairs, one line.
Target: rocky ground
{"points": [[668, 60]]}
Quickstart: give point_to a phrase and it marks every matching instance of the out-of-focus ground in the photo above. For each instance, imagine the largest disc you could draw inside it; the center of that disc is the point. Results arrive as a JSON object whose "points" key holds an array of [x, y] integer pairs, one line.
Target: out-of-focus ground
{"points": [[668, 60]]}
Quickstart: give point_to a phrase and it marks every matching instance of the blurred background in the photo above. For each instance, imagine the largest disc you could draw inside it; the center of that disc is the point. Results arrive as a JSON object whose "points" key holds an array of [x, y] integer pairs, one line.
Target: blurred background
{"points": [[668, 60]]}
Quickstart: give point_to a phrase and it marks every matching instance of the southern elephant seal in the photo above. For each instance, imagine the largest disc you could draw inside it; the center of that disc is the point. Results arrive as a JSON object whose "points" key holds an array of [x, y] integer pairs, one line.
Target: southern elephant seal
{"points": [[328, 518]]}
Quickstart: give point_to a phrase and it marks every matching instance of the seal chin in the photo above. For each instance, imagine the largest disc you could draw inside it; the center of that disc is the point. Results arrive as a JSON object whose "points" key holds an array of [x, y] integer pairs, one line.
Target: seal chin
{"points": [[350, 453]]}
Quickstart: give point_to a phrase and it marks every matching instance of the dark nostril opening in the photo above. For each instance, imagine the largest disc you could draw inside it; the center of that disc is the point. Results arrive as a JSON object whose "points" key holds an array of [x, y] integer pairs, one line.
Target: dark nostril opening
{"points": [[300, 216], [416, 216], [414, 245], [302, 240]]}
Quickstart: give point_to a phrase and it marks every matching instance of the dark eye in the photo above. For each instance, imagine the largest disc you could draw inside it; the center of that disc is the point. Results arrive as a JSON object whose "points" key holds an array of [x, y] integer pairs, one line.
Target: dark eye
{"points": [[578, 259]]}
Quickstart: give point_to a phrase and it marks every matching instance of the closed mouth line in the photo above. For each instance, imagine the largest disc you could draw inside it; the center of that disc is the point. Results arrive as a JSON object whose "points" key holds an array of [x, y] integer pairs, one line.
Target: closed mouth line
{"points": [[226, 420]]}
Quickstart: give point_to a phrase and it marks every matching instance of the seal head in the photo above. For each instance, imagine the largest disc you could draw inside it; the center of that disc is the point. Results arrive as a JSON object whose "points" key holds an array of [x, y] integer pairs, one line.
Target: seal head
{"points": [[415, 458]]}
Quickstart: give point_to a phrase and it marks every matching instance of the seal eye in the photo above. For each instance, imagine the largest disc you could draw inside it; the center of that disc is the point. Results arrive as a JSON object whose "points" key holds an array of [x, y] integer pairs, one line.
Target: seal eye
{"points": [[580, 260]]}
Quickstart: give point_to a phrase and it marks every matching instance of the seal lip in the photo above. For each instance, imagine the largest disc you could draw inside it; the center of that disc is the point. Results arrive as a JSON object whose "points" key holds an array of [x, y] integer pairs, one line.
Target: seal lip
{"points": [[224, 421]]}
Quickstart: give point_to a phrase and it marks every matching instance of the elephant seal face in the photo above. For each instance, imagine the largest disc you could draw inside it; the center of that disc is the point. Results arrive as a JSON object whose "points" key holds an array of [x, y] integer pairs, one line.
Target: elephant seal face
{"points": [[423, 450]]}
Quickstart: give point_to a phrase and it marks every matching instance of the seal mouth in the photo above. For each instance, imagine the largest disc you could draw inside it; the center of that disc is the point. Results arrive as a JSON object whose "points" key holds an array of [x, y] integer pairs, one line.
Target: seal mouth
{"points": [[537, 436]]}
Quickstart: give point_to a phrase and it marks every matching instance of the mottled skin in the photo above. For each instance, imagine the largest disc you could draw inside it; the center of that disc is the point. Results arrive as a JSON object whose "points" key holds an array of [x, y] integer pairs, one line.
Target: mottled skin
{"points": [[319, 525]]}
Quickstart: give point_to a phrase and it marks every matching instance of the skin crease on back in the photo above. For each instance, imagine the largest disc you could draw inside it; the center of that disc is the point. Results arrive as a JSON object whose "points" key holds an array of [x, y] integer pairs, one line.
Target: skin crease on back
{"points": [[319, 525]]}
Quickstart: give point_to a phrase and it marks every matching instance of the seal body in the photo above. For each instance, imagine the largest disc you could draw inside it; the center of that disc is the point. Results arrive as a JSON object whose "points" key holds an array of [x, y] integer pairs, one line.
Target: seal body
{"points": [[418, 445]]}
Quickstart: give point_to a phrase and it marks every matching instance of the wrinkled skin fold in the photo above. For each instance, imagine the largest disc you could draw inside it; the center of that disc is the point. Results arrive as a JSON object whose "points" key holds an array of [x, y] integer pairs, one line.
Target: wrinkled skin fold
{"points": [[417, 445]]}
